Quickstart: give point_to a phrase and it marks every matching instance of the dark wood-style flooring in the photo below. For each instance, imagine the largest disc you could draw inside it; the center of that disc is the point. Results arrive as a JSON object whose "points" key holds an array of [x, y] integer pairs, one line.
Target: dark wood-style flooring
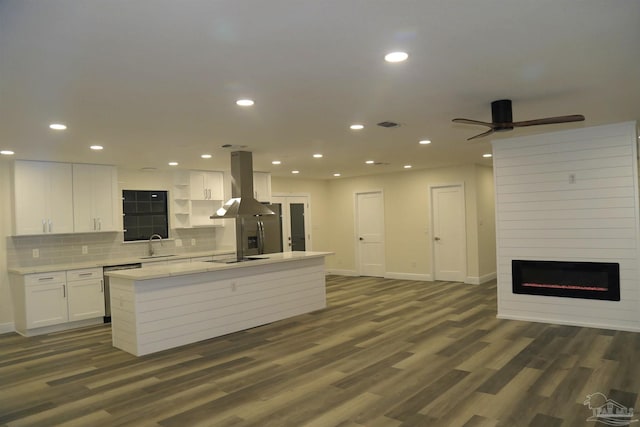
{"points": [[384, 353]]}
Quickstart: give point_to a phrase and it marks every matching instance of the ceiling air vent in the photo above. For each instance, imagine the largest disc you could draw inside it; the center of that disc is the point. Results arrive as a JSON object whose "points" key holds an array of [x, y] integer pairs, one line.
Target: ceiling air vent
{"points": [[388, 124]]}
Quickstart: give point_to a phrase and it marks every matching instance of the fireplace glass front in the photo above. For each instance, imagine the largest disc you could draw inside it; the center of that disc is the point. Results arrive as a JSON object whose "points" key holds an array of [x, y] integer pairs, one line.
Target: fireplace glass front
{"points": [[590, 280]]}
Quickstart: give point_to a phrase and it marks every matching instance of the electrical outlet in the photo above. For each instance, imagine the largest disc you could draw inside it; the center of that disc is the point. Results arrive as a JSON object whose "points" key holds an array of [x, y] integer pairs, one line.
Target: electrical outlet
{"points": [[36, 253], [193, 242], [85, 249], [178, 243]]}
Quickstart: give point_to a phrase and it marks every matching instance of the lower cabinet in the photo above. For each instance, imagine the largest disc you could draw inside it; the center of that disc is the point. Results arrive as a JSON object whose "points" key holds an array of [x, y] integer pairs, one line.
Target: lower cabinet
{"points": [[85, 298], [50, 299]]}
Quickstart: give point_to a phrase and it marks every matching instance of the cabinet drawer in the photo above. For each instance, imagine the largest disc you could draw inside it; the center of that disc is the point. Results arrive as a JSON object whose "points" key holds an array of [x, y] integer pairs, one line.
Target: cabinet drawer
{"points": [[85, 273], [44, 278]]}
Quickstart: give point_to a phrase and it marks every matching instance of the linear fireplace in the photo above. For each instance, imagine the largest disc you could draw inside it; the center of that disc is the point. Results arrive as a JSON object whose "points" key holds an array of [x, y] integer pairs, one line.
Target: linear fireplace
{"points": [[589, 280]]}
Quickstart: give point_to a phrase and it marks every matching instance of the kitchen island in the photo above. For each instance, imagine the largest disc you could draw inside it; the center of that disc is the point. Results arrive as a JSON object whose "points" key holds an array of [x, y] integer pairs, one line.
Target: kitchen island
{"points": [[157, 308]]}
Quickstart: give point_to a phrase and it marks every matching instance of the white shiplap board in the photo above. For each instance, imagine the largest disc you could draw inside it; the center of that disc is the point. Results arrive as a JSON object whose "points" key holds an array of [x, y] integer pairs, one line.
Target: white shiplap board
{"points": [[569, 196]]}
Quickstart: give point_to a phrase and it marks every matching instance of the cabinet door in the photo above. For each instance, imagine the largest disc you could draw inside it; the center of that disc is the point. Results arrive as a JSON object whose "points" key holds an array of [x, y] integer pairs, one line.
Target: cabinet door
{"points": [[198, 191], [262, 186], [60, 198], [43, 200], [46, 304], [214, 185], [86, 299], [94, 198]]}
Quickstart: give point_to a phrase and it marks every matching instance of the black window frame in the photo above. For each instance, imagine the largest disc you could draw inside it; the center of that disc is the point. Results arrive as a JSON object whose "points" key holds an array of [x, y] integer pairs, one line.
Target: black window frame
{"points": [[144, 213]]}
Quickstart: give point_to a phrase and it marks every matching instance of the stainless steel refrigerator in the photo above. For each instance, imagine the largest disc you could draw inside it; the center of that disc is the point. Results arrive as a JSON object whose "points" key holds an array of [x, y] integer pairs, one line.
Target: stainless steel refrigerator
{"points": [[263, 234]]}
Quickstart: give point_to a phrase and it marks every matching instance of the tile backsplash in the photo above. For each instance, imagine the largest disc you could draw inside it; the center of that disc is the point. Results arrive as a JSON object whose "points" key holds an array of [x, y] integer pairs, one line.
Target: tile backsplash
{"points": [[68, 248]]}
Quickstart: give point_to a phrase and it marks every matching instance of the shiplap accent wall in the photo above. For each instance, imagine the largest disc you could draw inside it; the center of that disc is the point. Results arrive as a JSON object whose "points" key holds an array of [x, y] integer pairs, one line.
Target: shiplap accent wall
{"points": [[569, 196]]}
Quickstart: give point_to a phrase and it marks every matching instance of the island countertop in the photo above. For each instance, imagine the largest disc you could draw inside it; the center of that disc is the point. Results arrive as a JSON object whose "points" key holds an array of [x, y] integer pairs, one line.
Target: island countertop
{"points": [[160, 271]]}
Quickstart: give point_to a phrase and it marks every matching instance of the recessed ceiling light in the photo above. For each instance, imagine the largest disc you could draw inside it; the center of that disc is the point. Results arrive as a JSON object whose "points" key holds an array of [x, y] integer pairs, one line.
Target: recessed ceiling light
{"points": [[173, 163], [487, 155], [96, 147], [356, 127], [407, 166], [317, 156], [7, 153], [295, 171], [276, 162], [205, 156], [245, 102], [57, 126], [336, 174], [369, 162], [425, 142], [396, 56]]}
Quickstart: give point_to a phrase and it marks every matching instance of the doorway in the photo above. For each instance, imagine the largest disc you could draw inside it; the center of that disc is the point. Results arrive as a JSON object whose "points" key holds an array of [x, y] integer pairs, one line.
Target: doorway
{"points": [[296, 235], [449, 233], [370, 234]]}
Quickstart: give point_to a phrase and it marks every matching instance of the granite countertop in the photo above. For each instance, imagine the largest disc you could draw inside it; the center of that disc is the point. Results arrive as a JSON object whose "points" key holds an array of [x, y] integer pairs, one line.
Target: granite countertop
{"points": [[160, 271], [114, 261]]}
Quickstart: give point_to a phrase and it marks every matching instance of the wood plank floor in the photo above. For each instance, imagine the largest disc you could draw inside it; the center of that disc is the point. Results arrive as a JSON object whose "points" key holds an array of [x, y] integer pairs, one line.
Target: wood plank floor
{"points": [[384, 353]]}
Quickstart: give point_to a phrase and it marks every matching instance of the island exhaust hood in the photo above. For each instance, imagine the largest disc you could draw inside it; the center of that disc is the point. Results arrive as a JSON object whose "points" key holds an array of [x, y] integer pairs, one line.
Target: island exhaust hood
{"points": [[242, 202]]}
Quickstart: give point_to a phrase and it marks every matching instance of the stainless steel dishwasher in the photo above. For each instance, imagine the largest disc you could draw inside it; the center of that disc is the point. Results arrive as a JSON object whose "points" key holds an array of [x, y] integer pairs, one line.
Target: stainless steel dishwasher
{"points": [[107, 292]]}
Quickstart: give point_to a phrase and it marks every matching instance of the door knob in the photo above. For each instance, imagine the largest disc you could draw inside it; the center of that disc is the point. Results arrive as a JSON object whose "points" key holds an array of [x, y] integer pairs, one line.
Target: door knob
{"points": [[436, 238]]}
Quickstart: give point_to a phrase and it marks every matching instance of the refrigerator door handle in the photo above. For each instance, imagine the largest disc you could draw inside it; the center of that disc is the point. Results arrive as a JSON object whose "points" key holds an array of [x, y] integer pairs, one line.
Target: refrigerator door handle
{"points": [[260, 237]]}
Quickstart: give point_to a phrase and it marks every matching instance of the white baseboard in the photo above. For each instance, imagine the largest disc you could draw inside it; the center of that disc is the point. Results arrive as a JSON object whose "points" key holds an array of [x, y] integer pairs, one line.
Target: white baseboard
{"points": [[570, 323], [409, 276], [5, 328], [339, 272], [478, 280]]}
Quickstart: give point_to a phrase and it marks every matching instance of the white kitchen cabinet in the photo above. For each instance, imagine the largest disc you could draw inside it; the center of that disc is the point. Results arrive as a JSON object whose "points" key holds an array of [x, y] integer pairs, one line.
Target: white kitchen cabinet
{"points": [[43, 198], [45, 298], [262, 186], [85, 298], [196, 195], [44, 302], [206, 185], [95, 190]]}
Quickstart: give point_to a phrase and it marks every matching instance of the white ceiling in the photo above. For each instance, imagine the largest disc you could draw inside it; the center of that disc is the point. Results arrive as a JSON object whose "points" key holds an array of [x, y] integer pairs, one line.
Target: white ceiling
{"points": [[155, 81]]}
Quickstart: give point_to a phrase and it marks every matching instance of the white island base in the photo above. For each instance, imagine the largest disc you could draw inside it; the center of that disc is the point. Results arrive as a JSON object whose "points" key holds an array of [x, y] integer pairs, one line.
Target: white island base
{"points": [[158, 308]]}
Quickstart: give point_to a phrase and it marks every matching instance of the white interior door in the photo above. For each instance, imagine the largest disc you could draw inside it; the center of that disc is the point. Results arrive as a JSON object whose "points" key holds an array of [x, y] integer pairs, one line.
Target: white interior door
{"points": [[370, 233], [449, 235], [296, 230]]}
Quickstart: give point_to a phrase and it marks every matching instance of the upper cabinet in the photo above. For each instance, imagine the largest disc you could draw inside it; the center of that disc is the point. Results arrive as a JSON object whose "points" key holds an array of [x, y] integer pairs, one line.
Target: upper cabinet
{"points": [[262, 186], [206, 185], [95, 189], [55, 198], [43, 198], [196, 196]]}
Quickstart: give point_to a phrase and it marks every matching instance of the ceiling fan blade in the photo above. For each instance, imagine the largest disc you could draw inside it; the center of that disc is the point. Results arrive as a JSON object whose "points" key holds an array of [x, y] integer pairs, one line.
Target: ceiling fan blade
{"points": [[480, 135], [472, 122], [550, 120]]}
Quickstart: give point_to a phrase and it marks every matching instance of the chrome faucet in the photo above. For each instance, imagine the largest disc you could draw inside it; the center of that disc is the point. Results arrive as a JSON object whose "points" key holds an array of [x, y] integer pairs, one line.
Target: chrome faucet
{"points": [[151, 252]]}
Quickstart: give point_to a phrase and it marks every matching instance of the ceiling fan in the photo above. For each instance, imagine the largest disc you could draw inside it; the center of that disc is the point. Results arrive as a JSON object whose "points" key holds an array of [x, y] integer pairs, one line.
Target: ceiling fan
{"points": [[502, 119]]}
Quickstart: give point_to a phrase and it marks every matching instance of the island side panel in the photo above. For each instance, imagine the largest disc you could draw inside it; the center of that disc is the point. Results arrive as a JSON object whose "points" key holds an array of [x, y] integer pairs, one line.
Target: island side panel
{"points": [[164, 313]]}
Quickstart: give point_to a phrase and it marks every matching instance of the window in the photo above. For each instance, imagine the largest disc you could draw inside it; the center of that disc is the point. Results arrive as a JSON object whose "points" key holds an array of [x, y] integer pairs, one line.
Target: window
{"points": [[144, 214]]}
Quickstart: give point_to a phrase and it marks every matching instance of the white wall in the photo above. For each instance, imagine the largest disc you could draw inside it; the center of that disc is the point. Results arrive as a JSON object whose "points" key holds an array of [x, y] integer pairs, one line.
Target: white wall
{"points": [[569, 196], [408, 239], [6, 312]]}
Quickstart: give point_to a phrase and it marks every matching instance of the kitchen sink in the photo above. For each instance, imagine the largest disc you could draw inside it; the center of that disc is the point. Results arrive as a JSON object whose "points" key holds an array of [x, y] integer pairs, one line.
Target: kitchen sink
{"points": [[156, 256]]}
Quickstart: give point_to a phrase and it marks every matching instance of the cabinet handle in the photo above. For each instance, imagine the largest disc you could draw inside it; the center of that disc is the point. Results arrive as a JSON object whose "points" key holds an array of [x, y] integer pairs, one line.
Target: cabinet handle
{"points": [[94, 223], [44, 226], [99, 224], [41, 279], [64, 291], [50, 226], [85, 274], [102, 285], [204, 191]]}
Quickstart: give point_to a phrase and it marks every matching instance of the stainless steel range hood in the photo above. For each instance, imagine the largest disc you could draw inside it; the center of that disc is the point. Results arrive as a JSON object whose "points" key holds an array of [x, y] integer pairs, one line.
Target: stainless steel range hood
{"points": [[242, 202]]}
